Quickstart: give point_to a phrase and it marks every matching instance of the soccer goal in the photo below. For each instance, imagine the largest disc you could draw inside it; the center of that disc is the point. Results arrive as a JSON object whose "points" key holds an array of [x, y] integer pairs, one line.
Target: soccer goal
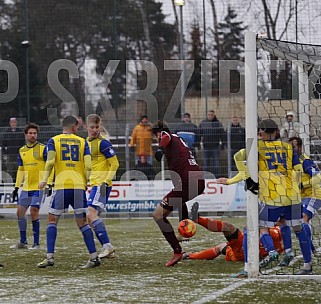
{"points": [[280, 78]]}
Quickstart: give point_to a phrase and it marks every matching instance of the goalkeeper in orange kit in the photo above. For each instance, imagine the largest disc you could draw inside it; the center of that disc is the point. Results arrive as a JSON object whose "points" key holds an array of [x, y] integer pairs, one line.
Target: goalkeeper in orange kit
{"points": [[233, 248]]}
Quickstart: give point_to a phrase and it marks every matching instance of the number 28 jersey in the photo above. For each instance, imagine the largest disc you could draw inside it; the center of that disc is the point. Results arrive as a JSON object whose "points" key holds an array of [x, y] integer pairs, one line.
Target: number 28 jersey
{"points": [[278, 178], [69, 162]]}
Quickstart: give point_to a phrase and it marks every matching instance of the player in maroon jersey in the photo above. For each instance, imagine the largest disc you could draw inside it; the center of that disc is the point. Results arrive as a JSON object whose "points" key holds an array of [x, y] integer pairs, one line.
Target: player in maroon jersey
{"points": [[188, 181]]}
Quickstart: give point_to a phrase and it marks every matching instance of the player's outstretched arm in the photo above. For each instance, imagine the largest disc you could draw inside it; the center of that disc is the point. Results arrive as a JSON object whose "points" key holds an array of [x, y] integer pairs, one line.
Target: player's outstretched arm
{"points": [[221, 181], [240, 158], [241, 176]]}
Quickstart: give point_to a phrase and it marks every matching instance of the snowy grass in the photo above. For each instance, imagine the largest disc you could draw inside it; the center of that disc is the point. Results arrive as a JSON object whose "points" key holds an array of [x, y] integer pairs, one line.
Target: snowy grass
{"points": [[138, 273]]}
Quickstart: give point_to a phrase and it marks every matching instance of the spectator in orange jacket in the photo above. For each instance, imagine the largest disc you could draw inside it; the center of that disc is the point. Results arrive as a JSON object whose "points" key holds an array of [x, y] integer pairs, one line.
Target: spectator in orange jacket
{"points": [[141, 140]]}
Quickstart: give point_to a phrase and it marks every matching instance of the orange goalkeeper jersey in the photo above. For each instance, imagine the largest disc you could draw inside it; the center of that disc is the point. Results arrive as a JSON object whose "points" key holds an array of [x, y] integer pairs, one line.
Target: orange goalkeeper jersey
{"points": [[234, 251]]}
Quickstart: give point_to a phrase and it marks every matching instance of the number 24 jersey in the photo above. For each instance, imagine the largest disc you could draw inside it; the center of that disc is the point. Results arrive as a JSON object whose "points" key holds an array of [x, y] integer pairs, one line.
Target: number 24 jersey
{"points": [[278, 173]]}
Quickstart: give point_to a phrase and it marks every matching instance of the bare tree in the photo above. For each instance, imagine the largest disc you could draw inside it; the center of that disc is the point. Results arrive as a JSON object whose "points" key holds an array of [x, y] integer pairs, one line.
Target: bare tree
{"points": [[271, 18], [176, 21], [149, 43], [276, 18], [215, 29]]}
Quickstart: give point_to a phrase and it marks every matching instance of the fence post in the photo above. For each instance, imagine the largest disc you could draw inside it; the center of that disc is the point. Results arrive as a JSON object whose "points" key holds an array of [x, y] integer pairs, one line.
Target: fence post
{"points": [[1, 181], [229, 152], [127, 155]]}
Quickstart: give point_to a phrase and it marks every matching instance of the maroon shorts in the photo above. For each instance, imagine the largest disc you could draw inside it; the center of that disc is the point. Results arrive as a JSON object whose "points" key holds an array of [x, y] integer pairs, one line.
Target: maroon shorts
{"points": [[184, 191]]}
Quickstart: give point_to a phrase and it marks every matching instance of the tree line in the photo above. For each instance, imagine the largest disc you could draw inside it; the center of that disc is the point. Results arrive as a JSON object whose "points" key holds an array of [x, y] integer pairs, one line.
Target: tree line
{"points": [[107, 30]]}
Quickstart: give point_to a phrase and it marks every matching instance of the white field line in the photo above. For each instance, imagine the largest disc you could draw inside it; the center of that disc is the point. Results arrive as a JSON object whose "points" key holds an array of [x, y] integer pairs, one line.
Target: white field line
{"points": [[222, 292], [213, 296], [280, 277]]}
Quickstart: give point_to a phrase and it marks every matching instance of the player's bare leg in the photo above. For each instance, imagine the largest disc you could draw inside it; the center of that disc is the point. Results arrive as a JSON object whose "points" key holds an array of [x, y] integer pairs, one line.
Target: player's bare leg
{"points": [[160, 216]]}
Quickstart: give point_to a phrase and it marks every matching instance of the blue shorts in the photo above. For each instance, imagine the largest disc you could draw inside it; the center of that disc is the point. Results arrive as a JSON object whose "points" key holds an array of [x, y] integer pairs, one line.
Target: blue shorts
{"points": [[98, 200], [62, 199], [30, 198], [269, 215], [310, 205]]}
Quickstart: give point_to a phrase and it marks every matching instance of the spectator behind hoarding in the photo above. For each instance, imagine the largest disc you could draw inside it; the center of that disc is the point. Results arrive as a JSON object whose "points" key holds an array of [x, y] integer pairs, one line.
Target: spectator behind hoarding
{"points": [[142, 139], [145, 168], [189, 132], [12, 140], [214, 139], [237, 139]]}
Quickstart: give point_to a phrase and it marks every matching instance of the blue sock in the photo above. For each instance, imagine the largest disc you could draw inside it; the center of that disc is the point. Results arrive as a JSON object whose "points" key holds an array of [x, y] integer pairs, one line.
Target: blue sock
{"points": [[51, 237], [88, 238], [101, 232], [36, 231], [245, 244], [307, 229], [305, 245], [267, 242], [22, 223], [286, 237]]}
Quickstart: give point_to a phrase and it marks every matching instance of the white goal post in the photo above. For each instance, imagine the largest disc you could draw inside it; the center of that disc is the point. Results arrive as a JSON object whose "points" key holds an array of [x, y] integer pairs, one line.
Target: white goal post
{"points": [[251, 152]]}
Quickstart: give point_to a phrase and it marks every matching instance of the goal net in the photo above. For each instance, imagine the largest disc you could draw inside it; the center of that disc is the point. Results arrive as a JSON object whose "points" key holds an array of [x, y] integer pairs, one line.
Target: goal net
{"points": [[289, 92]]}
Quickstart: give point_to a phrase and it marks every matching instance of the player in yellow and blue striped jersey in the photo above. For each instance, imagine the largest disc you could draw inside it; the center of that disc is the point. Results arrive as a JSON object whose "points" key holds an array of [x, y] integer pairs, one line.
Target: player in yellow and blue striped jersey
{"points": [[279, 193], [31, 165], [69, 155], [104, 167], [310, 186]]}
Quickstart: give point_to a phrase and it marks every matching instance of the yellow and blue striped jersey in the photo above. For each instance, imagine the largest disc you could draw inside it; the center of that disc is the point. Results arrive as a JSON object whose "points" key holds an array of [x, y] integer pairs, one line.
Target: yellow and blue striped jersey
{"points": [[104, 161], [31, 165], [69, 164], [278, 179], [310, 169]]}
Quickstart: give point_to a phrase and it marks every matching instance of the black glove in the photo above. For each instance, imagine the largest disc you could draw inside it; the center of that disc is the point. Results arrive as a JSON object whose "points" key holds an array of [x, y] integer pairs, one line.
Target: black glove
{"points": [[252, 186], [15, 194], [104, 189], [48, 190], [159, 154], [132, 149]]}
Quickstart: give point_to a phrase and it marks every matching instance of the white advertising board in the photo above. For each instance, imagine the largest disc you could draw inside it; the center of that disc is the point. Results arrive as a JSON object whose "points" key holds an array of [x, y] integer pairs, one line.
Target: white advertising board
{"points": [[143, 196]]}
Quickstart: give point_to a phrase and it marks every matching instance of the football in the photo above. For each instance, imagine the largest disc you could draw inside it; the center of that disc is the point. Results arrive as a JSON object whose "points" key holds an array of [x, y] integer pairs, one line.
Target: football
{"points": [[186, 228]]}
